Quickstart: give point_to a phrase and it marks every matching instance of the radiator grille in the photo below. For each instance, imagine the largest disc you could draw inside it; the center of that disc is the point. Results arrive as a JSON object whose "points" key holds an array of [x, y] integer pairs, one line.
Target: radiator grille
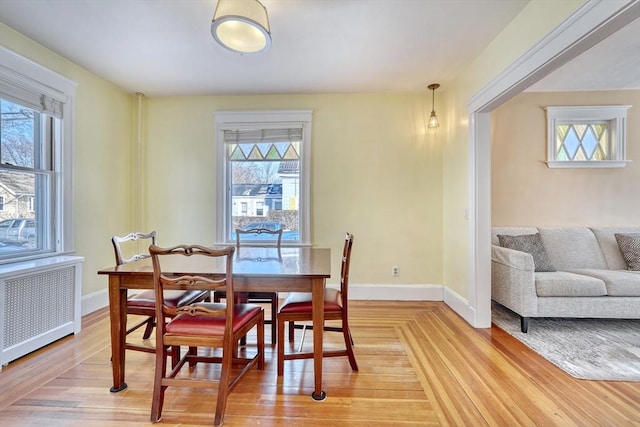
{"points": [[37, 303]]}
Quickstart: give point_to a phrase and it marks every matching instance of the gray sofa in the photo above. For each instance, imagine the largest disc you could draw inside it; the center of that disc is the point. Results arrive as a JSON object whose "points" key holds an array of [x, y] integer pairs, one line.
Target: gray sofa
{"points": [[591, 280]]}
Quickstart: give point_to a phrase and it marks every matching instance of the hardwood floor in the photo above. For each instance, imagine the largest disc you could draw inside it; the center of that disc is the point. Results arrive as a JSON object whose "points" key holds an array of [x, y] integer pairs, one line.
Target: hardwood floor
{"points": [[420, 365]]}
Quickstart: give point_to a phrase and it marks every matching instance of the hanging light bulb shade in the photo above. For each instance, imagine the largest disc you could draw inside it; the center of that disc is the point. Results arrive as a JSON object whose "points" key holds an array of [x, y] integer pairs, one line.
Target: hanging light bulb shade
{"points": [[433, 119], [241, 26]]}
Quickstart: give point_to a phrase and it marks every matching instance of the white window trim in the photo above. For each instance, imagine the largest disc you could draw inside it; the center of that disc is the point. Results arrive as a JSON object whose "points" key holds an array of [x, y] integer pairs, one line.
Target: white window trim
{"points": [[22, 72], [615, 114], [225, 120]]}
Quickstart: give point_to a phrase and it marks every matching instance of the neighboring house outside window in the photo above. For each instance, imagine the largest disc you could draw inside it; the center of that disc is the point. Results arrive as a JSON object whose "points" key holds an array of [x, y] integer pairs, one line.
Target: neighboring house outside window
{"points": [[263, 173], [36, 107], [586, 137]]}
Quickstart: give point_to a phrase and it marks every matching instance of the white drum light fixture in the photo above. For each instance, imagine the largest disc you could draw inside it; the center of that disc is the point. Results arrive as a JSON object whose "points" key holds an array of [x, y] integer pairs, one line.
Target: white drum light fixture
{"points": [[241, 26]]}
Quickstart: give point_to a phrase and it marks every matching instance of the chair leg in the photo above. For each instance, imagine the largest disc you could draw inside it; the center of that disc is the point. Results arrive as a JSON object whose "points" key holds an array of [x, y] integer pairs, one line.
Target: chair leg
{"points": [[348, 342], [223, 387], [175, 356], [241, 298], [151, 322], [292, 331], [193, 351], [158, 388], [274, 315], [281, 345]]}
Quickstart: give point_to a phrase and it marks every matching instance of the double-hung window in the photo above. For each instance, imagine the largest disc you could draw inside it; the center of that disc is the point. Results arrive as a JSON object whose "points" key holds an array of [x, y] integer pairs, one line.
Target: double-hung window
{"points": [[263, 173], [35, 160]]}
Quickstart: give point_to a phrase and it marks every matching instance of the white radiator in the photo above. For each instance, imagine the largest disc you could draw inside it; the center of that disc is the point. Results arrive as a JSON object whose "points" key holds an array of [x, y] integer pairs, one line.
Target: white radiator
{"points": [[40, 303]]}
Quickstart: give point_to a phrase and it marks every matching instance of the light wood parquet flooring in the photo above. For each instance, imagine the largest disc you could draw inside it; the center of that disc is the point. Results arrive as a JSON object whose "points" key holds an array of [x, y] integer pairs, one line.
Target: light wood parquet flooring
{"points": [[420, 365]]}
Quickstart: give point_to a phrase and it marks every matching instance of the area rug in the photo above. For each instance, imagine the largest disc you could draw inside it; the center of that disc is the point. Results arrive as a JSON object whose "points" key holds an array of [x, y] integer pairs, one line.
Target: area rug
{"points": [[592, 349]]}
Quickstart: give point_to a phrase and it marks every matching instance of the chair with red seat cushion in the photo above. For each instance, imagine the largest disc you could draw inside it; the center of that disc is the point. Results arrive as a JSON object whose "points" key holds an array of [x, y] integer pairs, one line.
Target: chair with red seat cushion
{"points": [[274, 240], [298, 307], [215, 325], [133, 247]]}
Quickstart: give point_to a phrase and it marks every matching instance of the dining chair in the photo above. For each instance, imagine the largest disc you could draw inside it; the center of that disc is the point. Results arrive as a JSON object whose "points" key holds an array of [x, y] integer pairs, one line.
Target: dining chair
{"points": [[128, 249], [275, 240], [214, 325], [298, 307]]}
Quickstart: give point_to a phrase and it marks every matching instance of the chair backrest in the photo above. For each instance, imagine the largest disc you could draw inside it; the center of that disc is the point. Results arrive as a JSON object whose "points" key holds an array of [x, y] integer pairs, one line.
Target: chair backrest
{"points": [[132, 242], [220, 261], [241, 236], [344, 270]]}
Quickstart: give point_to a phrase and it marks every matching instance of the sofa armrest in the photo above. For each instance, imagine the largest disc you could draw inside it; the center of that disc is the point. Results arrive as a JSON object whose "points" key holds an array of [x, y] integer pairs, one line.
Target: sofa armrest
{"points": [[513, 280]]}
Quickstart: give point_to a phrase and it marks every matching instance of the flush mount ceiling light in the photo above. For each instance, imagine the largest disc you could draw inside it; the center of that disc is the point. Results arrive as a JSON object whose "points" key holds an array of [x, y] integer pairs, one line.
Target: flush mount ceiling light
{"points": [[241, 26], [433, 119]]}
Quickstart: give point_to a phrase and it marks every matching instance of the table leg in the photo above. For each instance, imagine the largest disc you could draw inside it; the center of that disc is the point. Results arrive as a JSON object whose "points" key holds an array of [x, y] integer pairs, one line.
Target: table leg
{"points": [[318, 332], [118, 317]]}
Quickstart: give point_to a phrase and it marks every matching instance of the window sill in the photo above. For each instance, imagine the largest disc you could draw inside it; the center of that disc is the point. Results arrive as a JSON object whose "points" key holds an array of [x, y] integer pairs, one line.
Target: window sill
{"points": [[588, 164], [27, 266]]}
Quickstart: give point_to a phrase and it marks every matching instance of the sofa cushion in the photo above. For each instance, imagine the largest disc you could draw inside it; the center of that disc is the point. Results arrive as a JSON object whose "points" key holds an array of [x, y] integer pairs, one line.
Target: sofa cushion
{"points": [[630, 247], [572, 248], [609, 245], [510, 231], [531, 244], [568, 284], [619, 283]]}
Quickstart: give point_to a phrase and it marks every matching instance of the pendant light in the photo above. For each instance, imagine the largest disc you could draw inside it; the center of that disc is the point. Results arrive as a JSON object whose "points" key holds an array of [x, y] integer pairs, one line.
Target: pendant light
{"points": [[433, 119]]}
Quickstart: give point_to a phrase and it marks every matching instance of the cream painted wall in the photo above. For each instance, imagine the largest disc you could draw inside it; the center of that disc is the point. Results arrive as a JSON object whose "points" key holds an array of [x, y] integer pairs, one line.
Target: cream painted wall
{"points": [[536, 20], [375, 173], [396, 171], [102, 150], [526, 192]]}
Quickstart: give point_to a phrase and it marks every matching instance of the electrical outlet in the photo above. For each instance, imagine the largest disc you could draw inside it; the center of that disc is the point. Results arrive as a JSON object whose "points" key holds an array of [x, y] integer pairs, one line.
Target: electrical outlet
{"points": [[395, 271]]}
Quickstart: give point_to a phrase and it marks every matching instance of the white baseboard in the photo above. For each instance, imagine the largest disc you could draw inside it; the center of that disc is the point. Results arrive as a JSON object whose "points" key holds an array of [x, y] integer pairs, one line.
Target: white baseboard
{"points": [[404, 292], [460, 305], [99, 299], [95, 301]]}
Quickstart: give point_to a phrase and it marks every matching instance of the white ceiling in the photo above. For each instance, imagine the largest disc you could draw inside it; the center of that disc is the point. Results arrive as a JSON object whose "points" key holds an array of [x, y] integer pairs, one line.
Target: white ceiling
{"points": [[164, 47], [614, 63]]}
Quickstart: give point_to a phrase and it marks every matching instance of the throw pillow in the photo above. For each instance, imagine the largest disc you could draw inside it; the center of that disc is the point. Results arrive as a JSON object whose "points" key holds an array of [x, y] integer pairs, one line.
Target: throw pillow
{"points": [[531, 244], [630, 247]]}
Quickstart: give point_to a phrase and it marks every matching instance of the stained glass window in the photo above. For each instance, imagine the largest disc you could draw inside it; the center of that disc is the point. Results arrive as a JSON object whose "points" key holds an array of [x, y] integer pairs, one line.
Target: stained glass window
{"points": [[587, 141], [586, 136]]}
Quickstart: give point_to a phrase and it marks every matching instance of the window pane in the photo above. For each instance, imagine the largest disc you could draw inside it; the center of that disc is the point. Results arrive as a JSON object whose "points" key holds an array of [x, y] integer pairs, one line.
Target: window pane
{"points": [[19, 134], [25, 184], [22, 229], [265, 194]]}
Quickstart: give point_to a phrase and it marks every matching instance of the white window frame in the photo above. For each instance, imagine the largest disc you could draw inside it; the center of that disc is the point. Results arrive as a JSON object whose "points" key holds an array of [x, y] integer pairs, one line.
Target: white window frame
{"points": [[615, 115], [229, 120], [24, 74]]}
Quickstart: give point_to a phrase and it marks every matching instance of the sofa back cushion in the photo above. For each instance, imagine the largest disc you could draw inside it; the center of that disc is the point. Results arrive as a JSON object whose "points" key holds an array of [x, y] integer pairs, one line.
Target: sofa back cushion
{"points": [[570, 248], [609, 245]]}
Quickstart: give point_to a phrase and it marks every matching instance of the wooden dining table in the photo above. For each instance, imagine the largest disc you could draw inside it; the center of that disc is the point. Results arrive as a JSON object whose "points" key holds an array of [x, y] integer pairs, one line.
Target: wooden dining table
{"points": [[260, 269]]}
